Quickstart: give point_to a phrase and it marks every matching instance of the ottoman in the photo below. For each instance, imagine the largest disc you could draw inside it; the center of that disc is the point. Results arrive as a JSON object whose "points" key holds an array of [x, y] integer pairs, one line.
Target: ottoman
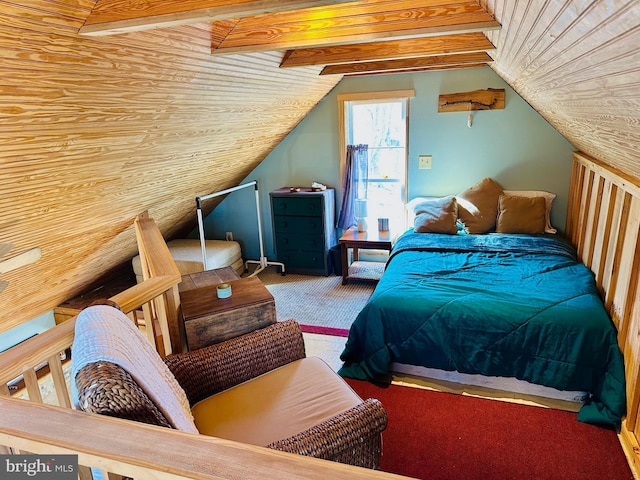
{"points": [[187, 254]]}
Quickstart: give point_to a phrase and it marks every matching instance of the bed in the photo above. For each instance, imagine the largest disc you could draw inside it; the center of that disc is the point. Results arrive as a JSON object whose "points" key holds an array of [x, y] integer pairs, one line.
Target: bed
{"points": [[495, 304]]}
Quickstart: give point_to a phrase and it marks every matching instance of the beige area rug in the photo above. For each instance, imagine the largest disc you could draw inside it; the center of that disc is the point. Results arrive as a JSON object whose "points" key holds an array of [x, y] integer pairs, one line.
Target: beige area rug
{"points": [[317, 301]]}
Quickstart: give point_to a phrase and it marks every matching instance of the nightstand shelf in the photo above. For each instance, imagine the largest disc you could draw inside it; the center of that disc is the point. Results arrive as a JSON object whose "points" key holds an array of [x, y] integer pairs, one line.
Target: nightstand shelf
{"points": [[366, 270], [370, 240]]}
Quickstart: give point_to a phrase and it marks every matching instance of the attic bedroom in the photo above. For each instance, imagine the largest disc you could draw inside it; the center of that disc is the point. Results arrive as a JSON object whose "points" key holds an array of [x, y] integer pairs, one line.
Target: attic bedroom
{"points": [[115, 109]]}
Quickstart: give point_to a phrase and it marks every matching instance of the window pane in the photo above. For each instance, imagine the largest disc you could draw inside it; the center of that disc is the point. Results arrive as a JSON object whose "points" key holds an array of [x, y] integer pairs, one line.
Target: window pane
{"points": [[386, 163], [384, 199], [378, 124]]}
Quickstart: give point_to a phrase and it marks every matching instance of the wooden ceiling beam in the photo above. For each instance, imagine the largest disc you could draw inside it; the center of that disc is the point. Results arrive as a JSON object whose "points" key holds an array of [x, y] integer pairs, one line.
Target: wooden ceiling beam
{"points": [[387, 50], [423, 69], [220, 29], [408, 64], [356, 22], [110, 17]]}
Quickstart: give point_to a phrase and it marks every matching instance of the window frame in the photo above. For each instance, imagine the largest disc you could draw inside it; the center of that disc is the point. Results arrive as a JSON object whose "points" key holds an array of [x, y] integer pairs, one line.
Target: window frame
{"points": [[405, 95]]}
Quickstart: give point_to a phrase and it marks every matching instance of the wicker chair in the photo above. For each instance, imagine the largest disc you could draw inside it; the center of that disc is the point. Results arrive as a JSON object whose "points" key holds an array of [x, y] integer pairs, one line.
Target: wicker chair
{"points": [[352, 436]]}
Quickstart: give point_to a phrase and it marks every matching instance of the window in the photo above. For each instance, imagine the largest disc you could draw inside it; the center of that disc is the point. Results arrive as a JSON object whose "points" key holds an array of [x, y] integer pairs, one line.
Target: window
{"points": [[379, 120]]}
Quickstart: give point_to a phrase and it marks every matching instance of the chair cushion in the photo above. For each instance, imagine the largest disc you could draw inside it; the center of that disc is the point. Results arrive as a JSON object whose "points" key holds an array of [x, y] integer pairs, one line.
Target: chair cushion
{"points": [[276, 405]]}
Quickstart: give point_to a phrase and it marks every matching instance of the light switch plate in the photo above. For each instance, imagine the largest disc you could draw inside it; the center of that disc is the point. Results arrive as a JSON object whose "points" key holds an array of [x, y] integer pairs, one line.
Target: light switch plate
{"points": [[424, 162]]}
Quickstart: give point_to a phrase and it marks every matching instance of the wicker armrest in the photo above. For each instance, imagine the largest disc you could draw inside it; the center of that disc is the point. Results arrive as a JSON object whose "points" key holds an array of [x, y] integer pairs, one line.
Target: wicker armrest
{"points": [[353, 436], [209, 370], [108, 389]]}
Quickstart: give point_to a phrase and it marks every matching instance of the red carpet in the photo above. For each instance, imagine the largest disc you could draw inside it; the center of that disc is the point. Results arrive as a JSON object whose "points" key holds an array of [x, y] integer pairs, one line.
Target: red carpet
{"points": [[442, 436], [336, 332]]}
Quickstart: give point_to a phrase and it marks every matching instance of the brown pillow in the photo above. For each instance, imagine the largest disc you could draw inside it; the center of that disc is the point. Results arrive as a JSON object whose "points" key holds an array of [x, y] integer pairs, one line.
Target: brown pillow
{"points": [[478, 206], [521, 214], [548, 198], [436, 216]]}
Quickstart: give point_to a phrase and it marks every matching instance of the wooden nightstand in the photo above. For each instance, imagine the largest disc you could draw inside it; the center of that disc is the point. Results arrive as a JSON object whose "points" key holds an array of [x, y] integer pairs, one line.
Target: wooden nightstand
{"points": [[370, 240]]}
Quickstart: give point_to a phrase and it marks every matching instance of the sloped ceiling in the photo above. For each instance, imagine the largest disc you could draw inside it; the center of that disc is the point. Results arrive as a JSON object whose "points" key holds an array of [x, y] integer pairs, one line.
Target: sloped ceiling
{"points": [[577, 63], [113, 107]]}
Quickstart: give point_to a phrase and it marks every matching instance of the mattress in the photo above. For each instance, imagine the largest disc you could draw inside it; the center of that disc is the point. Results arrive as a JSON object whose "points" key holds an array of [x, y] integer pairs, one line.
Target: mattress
{"points": [[187, 254], [511, 385]]}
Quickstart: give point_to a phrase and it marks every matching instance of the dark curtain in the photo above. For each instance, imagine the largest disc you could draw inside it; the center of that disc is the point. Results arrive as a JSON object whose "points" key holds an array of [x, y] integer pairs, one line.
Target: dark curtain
{"points": [[354, 183]]}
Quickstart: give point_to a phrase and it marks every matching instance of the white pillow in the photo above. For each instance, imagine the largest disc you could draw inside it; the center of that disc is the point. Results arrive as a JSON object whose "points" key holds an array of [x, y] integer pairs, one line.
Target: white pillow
{"points": [[548, 198], [410, 208]]}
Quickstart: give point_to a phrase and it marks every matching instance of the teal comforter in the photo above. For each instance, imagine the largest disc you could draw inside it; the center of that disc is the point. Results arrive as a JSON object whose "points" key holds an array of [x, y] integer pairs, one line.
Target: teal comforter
{"points": [[499, 305]]}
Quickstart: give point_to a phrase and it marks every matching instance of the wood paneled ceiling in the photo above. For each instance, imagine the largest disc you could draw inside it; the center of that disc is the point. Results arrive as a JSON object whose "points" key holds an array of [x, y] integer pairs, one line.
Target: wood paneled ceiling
{"points": [[347, 38], [560, 56], [98, 127]]}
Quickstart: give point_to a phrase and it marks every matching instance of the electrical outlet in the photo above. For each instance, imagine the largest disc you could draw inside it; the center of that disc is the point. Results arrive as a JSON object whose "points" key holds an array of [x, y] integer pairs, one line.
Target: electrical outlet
{"points": [[229, 236], [424, 162]]}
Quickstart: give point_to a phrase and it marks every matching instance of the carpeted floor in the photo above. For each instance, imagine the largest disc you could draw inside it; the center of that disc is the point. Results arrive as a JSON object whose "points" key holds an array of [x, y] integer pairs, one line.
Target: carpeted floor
{"points": [[455, 437], [441, 436], [316, 301]]}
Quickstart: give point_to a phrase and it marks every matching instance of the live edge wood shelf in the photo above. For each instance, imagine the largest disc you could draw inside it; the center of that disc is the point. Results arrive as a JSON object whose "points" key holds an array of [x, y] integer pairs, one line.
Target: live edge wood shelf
{"points": [[489, 99]]}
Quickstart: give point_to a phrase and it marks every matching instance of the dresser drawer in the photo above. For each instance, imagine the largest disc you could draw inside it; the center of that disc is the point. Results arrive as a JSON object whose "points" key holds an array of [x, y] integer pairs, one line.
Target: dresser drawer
{"points": [[297, 206], [303, 260], [300, 225], [286, 242]]}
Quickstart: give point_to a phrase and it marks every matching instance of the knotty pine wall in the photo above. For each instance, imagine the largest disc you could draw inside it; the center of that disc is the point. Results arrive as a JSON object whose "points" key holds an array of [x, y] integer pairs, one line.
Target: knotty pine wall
{"points": [[94, 131], [578, 64]]}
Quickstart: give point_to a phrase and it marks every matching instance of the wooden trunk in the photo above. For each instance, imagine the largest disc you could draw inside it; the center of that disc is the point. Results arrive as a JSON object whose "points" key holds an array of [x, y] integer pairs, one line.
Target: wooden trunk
{"points": [[207, 278], [209, 319]]}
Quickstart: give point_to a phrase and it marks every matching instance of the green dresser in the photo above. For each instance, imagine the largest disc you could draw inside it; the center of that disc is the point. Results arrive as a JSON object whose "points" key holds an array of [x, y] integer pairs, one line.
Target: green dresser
{"points": [[304, 229]]}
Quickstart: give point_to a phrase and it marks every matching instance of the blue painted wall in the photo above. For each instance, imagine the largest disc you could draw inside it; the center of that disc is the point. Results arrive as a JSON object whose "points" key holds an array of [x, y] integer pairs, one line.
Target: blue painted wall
{"points": [[514, 146], [22, 332]]}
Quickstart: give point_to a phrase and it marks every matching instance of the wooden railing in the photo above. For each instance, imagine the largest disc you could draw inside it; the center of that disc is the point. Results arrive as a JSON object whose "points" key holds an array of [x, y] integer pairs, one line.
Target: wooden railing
{"points": [[46, 423], [163, 310], [140, 451], [603, 222]]}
